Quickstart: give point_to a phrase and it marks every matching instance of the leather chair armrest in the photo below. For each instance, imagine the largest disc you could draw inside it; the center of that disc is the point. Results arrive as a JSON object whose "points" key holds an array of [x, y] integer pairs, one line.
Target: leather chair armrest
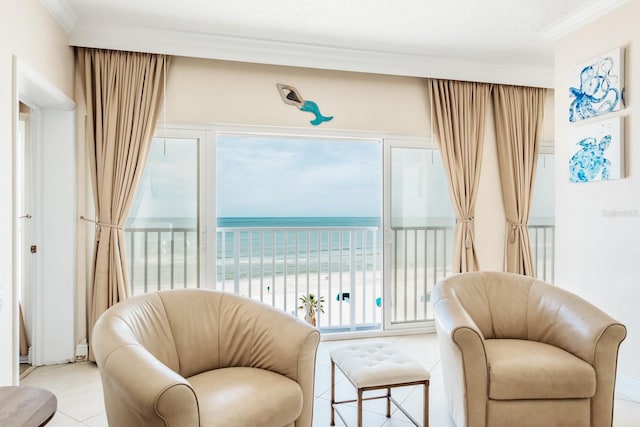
{"points": [[606, 363], [463, 358], [143, 389]]}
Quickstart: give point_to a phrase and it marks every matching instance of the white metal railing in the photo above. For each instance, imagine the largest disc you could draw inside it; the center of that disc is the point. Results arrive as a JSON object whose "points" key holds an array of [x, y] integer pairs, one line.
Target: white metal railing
{"points": [[543, 250], [160, 258], [421, 257], [279, 265], [342, 265]]}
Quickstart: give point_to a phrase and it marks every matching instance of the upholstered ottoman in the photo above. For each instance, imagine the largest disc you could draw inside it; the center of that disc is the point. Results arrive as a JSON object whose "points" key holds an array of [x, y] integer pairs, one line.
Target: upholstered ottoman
{"points": [[375, 366]]}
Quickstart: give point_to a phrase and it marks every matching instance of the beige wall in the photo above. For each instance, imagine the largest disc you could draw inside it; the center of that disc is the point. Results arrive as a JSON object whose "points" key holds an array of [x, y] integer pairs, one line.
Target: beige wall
{"points": [[27, 31], [597, 255], [201, 91], [218, 92]]}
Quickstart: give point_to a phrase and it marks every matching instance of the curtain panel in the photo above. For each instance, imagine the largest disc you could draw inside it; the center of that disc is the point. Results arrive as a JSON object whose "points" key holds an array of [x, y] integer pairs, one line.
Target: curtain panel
{"points": [[123, 95], [459, 111], [518, 113]]}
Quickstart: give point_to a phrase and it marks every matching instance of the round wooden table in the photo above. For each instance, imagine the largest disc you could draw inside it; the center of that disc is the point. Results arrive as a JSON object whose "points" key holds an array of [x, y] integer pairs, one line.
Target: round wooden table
{"points": [[24, 406]]}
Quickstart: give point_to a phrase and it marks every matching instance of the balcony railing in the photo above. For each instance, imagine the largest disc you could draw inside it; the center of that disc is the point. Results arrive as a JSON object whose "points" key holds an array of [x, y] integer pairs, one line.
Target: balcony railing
{"points": [[420, 258], [162, 258], [342, 265], [542, 248]]}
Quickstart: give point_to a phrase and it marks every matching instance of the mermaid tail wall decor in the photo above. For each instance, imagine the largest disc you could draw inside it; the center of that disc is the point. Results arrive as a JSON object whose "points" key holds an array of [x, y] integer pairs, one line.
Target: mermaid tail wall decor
{"points": [[312, 107], [291, 96]]}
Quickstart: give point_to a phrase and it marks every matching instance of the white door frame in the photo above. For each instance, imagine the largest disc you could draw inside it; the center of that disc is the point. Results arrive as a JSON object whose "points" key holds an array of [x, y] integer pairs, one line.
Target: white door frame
{"points": [[53, 131], [388, 145]]}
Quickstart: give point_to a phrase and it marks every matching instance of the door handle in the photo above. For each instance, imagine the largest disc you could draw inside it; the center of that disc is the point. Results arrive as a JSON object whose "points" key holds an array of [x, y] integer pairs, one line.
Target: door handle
{"points": [[27, 216]]}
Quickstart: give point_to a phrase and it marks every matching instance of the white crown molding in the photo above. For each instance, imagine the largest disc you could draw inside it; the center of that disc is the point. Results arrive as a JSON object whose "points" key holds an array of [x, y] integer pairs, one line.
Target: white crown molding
{"points": [[310, 56], [576, 20], [62, 12]]}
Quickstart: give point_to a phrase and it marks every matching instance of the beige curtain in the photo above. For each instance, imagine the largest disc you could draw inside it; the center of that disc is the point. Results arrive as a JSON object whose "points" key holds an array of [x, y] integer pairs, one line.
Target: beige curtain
{"points": [[123, 95], [459, 110], [518, 118], [24, 344]]}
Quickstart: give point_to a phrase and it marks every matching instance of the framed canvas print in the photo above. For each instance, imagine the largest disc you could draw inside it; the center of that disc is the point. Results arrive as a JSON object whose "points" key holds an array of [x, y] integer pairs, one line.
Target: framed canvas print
{"points": [[597, 86], [597, 151]]}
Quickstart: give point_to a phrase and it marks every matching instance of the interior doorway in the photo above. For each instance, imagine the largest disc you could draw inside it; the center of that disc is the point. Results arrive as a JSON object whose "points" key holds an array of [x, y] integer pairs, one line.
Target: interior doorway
{"points": [[24, 233], [45, 222]]}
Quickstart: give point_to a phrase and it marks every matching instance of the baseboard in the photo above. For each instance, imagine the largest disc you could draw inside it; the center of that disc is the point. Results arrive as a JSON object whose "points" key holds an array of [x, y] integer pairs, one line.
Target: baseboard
{"points": [[82, 352], [628, 388]]}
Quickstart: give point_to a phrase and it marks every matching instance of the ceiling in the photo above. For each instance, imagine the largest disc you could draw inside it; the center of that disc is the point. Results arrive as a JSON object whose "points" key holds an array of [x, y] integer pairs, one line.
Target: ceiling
{"points": [[508, 41]]}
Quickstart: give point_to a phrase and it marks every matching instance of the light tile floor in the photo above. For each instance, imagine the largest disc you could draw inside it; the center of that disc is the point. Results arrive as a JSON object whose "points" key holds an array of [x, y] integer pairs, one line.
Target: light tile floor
{"points": [[78, 389]]}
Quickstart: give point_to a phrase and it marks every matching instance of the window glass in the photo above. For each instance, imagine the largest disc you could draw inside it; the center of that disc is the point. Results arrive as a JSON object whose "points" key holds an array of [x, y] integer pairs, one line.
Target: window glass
{"points": [[162, 228], [298, 220], [542, 217], [422, 221]]}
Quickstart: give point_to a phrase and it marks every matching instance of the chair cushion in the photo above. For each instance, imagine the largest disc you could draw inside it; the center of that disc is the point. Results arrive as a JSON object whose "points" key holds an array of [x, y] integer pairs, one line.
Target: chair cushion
{"points": [[237, 397], [521, 369]]}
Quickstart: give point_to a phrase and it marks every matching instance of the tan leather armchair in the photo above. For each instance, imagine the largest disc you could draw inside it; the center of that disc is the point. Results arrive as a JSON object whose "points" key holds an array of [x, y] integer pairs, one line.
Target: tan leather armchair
{"points": [[204, 358], [516, 351]]}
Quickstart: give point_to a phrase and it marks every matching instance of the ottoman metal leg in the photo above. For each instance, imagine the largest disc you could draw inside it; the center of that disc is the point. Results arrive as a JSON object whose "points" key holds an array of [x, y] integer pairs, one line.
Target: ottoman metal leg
{"points": [[359, 407], [388, 402], [333, 392], [425, 423]]}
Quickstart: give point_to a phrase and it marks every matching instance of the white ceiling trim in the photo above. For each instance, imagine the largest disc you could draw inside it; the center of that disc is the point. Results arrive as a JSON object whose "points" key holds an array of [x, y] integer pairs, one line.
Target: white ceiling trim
{"points": [[581, 18], [202, 45], [62, 12], [308, 56]]}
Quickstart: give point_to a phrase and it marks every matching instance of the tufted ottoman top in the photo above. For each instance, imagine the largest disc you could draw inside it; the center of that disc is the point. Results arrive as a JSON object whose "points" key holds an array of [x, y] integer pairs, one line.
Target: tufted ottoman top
{"points": [[377, 364]]}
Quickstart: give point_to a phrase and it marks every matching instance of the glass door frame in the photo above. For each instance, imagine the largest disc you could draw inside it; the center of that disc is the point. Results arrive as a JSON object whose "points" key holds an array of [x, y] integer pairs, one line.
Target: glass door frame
{"points": [[204, 138], [207, 206], [388, 249]]}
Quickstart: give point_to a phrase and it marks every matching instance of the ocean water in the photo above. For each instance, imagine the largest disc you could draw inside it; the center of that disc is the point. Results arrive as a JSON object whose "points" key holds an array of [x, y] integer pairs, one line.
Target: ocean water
{"points": [[266, 246], [259, 246], [323, 221]]}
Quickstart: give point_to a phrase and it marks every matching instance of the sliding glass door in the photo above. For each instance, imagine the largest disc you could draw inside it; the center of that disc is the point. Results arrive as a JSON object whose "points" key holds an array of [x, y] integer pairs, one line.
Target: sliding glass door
{"points": [[361, 226], [162, 228], [418, 231], [297, 222]]}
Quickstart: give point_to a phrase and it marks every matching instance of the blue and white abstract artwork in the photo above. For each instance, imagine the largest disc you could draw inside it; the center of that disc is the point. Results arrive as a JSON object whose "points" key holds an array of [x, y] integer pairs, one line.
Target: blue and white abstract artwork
{"points": [[597, 151], [597, 86]]}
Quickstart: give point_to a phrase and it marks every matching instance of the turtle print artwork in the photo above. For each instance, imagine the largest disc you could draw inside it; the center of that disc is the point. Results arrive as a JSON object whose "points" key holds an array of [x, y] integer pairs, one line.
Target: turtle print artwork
{"points": [[597, 86], [597, 151]]}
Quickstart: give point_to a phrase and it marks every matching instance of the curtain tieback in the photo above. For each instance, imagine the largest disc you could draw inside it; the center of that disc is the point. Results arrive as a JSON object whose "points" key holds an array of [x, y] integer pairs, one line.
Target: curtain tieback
{"points": [[467, 238], [466, 220], [99, 225], [514, 225]]}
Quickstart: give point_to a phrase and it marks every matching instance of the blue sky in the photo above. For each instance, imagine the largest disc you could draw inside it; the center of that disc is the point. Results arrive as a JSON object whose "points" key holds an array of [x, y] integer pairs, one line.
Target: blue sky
{"points": [[258, 176], [275, 177]]}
